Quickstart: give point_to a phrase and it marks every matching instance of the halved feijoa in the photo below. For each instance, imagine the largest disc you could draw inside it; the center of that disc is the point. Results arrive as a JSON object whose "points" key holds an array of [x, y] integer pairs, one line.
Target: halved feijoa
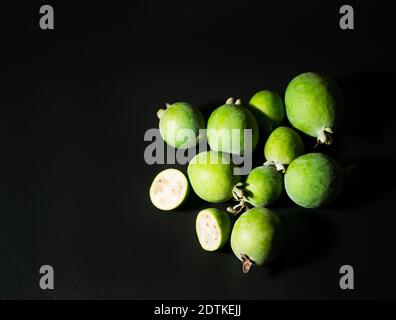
{"points": [[169, 189], [213, 228]]}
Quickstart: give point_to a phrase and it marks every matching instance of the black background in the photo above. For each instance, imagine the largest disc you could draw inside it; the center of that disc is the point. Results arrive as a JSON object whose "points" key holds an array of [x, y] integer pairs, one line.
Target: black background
{"points": [[75, 104]]}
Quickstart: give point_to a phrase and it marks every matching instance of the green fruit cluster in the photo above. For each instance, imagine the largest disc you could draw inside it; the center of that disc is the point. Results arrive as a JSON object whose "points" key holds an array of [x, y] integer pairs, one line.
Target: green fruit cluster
{"points": [[313, 105]]}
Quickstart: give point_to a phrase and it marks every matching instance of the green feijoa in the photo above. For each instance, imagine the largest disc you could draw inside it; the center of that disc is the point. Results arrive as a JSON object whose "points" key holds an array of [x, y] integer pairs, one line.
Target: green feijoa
{"points": [[212, 176], [227, 128], [313, 180], [268, 108], [314, 105], [282, 147], [169, 189], [262, 187], [179, 125], [256, 237], [213, 227]]}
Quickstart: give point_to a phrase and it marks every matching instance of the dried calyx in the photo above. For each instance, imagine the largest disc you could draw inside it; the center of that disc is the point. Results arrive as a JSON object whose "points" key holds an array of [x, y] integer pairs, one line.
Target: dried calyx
{"points": [[246, 263], [231, 101], [279, 166], [238, 194], [324, 136], [161, 111]]}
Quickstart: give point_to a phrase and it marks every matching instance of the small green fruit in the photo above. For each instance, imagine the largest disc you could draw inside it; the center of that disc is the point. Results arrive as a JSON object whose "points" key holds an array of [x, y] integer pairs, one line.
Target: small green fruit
{"points": [[314, 105], [227, 125], [179, 125], [169, 189], [257, 237], [282, 147], [268, 108], [212, 176], [213, 227], [313, 179], [262, 187]]}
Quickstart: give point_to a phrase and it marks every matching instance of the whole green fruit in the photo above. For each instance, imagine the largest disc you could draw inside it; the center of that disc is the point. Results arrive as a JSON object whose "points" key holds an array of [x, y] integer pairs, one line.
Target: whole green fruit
{"points": [[256, 237], [313, 179], [268, 108], [179, 125], [282, 147], [212, 176], [213, 227], [227, 125], [314, 105], [262, 187]]}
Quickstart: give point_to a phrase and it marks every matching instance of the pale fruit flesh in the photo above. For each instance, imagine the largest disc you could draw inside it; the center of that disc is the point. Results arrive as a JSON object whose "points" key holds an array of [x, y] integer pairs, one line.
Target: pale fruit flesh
{"points": [[213, 228], [169, 189]]}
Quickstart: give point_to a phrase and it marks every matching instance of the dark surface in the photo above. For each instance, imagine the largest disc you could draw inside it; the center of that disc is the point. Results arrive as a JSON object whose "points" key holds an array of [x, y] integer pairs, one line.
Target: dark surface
{"points": [[75, 103]]}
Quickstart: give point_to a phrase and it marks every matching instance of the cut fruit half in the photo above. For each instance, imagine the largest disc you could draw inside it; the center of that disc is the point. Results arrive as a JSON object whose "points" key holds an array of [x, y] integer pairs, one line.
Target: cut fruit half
{"points": [[213, 228], [169, 189]]}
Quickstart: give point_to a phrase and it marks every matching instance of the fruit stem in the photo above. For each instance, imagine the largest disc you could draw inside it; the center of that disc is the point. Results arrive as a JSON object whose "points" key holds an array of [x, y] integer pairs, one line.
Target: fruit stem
{"points": [[238, 208], [279, 166], [237, 191], [246, 263], [238, 194], [324, 136]]}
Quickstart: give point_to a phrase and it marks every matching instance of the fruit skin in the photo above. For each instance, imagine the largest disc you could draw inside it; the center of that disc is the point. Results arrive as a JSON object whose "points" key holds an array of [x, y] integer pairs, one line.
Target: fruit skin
{"points": [[224, 226], [257, 234], [211, 176], [177, 117], [263, 186], [268, 108], [226, 118], [283, 146], [314, 105], [183, 197], [313, 180]]}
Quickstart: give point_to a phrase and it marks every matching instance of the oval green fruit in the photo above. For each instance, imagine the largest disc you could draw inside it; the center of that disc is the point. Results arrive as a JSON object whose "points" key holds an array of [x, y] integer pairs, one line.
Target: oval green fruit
{"points": [[213, 227], [314, 105], [169, 189], [227, 125], [212, 176], [256, 237], [282, 147], [179, 125], [313, 180], [262, 187], [268, 108]]}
